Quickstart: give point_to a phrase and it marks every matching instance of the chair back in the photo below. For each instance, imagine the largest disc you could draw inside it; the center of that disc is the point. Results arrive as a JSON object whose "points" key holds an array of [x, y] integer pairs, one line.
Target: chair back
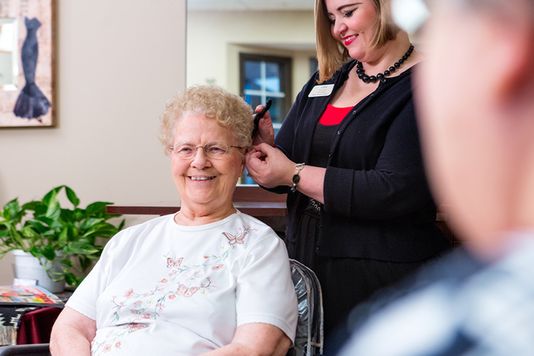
{"points": [[309, 336]]}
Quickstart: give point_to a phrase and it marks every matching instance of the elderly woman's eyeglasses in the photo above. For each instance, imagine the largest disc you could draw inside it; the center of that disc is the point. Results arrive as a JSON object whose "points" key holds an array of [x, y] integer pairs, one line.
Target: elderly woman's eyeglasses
{"points": [[212, 151]]}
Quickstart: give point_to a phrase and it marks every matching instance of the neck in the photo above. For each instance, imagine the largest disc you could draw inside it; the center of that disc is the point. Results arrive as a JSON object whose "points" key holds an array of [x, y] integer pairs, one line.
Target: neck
{"points": [[382, 58], [202, 215]]}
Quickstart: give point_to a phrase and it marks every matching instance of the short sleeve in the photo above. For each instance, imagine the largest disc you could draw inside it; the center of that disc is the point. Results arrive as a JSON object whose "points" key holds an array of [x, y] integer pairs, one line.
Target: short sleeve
{"points": [[84, 298], [265, 292]]}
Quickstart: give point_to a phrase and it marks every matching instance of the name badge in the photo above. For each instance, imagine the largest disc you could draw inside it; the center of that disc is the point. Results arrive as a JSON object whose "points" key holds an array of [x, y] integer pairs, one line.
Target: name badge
{"points": [[321, 90]]}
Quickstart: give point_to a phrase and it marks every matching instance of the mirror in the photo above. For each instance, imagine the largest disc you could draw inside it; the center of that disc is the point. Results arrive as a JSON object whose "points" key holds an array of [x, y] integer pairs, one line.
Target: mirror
{"points": [[8, 53], [256, 49], [26, 63]]}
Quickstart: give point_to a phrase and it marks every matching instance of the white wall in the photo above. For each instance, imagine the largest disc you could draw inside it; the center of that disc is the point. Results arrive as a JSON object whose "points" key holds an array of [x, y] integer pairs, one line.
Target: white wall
{"points": [[215, 37], [117, 63]]}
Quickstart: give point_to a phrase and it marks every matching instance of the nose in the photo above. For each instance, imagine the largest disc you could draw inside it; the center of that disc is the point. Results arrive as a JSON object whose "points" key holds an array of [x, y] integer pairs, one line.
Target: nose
{"points": [[339, 28], [200, 160]]}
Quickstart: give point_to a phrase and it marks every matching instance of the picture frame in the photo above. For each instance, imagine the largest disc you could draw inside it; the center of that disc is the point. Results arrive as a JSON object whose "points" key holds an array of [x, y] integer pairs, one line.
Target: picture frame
{"points": [[27, 68]]}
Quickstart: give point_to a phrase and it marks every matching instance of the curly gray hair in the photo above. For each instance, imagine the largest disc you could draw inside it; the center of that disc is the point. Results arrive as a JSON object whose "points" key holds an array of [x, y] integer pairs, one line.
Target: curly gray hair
{"points": [[229, 110]]}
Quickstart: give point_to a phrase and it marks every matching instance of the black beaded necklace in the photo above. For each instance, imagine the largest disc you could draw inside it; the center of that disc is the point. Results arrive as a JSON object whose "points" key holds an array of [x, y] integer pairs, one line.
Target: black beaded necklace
{"points": [[382, 76]]}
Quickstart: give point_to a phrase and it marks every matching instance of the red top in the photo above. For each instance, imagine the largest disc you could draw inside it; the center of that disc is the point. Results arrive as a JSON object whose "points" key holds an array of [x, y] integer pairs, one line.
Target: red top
{"points": [[334, 115]]}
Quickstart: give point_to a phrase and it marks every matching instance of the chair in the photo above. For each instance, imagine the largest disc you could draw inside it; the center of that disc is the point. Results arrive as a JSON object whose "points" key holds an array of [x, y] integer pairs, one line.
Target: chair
{"points": [[27, 350], [309, 336]]}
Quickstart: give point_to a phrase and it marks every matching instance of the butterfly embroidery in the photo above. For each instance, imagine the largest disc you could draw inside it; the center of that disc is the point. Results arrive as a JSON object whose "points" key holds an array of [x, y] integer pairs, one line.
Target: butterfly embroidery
{"points": [[174, 262], [186, 291], [239, 238]]}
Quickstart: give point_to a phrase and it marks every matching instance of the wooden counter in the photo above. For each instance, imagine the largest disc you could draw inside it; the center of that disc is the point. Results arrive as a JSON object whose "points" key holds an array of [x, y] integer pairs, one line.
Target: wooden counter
{"points": [[251, 200]]}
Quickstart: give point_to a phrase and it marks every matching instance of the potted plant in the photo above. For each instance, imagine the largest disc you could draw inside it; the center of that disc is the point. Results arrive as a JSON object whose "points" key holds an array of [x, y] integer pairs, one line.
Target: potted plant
{"points": [[65, 240]]}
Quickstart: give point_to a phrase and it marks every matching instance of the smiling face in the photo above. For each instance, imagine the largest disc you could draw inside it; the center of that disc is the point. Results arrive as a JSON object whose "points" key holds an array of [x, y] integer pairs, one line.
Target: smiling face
{"points": [[354, 24], [205, 185]]}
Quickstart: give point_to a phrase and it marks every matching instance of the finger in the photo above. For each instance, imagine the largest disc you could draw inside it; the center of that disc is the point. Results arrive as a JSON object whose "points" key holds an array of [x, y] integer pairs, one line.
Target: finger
{"points": [[264, 148], [266, 130], [259, 108], [254, 158], [254, 167]]}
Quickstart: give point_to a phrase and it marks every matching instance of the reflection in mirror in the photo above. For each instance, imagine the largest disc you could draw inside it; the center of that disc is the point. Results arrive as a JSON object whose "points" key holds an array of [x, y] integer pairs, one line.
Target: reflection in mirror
{"points": [[256, 49], [9, 70]]}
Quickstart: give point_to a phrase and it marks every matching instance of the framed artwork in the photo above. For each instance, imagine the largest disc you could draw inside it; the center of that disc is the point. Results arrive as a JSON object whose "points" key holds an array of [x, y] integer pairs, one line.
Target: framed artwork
{"points": [[27, 97]]}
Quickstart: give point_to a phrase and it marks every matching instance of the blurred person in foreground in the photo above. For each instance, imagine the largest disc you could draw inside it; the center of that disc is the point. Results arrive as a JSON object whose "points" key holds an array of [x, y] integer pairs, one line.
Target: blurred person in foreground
{"points": [[205, 280], [475, 93]]}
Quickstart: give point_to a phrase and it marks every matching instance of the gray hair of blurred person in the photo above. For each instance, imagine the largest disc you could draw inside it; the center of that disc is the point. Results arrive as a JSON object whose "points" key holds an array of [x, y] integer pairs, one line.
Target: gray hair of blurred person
{"points": [[229, 110], [330, 54]]}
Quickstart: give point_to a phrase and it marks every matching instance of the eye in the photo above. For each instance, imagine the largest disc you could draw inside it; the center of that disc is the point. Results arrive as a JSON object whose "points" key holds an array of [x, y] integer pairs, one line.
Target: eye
{"points": [[183, 150], [348, 13], [215, 150]]}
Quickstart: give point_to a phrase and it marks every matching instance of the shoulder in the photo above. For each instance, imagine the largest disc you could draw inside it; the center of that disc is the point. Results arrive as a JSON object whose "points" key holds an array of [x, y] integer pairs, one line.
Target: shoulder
{"points": [[139, 231], [429, 308], [258, 234], [424, 321], [260, 229]]}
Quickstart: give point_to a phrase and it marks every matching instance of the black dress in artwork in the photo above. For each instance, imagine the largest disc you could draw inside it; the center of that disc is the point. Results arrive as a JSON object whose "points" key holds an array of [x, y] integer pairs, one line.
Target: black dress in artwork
{"points": [[31, 103]]}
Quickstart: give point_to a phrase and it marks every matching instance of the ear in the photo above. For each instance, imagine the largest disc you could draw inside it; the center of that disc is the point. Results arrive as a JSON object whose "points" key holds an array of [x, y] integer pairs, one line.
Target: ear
{"points": [[514, 49], [517, 69]]}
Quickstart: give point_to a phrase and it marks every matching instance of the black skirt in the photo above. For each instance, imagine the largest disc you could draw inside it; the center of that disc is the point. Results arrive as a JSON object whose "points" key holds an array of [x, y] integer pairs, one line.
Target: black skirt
{"points": [[345, 282]]}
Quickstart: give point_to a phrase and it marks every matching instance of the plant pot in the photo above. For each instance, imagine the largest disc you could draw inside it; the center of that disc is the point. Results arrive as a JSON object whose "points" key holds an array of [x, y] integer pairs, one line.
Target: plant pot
{"points": [[26, 266]]}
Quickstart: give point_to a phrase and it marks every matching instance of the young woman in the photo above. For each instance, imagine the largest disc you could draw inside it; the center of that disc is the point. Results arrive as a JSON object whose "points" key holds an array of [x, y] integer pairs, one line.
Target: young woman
{"points": [[360, 211]]}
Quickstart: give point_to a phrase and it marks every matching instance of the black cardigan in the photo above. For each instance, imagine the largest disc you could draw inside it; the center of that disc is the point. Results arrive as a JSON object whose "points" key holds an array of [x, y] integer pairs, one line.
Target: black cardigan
{"points": [[377, 201]]}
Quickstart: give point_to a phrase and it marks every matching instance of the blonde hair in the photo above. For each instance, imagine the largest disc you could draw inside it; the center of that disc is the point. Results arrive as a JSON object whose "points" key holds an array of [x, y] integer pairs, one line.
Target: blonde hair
{"points": [[330, 54], [229, 110]]}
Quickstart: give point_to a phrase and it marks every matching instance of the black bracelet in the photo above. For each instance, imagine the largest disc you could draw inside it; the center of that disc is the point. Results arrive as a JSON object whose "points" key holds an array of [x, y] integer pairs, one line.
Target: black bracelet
{"points": [[296, 177]]}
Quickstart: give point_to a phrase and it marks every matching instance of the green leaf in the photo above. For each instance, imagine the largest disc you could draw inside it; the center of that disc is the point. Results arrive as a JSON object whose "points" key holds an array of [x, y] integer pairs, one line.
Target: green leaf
{"points": [[67, 215], [64, 235], [79, 214], [71, 279], [97, 208], [12, 210], [35, 252], [49, 253], [54, 210], [4, 232], [51, 195], [81, 247], [32, 205], [66, 262], [27, 231], [73, 198]]}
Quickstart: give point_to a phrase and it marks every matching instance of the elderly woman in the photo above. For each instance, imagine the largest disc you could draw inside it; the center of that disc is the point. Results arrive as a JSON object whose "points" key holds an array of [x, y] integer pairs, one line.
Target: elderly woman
{"points": [[207, 279]]}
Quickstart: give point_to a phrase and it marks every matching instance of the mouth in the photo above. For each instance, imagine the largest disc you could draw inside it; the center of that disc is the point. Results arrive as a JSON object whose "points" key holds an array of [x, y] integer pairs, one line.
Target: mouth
{"points": [[347, 40], [201, 178]]}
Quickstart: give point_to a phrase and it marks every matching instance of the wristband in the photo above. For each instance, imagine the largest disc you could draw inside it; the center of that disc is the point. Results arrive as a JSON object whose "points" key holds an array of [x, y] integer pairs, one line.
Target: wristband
{"points": [[296, 177]]}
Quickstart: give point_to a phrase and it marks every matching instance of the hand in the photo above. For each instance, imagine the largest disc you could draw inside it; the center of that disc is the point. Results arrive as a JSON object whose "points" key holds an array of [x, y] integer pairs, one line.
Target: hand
{"points": [[265, 129], [269, 166]]}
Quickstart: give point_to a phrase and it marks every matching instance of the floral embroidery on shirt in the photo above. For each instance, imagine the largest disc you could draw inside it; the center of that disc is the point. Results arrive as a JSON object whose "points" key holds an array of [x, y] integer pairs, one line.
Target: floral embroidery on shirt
{"points": [[112, 339], [174, 262], [135, 310]]}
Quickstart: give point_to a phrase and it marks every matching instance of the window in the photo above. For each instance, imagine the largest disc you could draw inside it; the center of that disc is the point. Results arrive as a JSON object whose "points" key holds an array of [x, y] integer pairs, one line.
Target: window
{"points": [[266, 77], [262, 78]]}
